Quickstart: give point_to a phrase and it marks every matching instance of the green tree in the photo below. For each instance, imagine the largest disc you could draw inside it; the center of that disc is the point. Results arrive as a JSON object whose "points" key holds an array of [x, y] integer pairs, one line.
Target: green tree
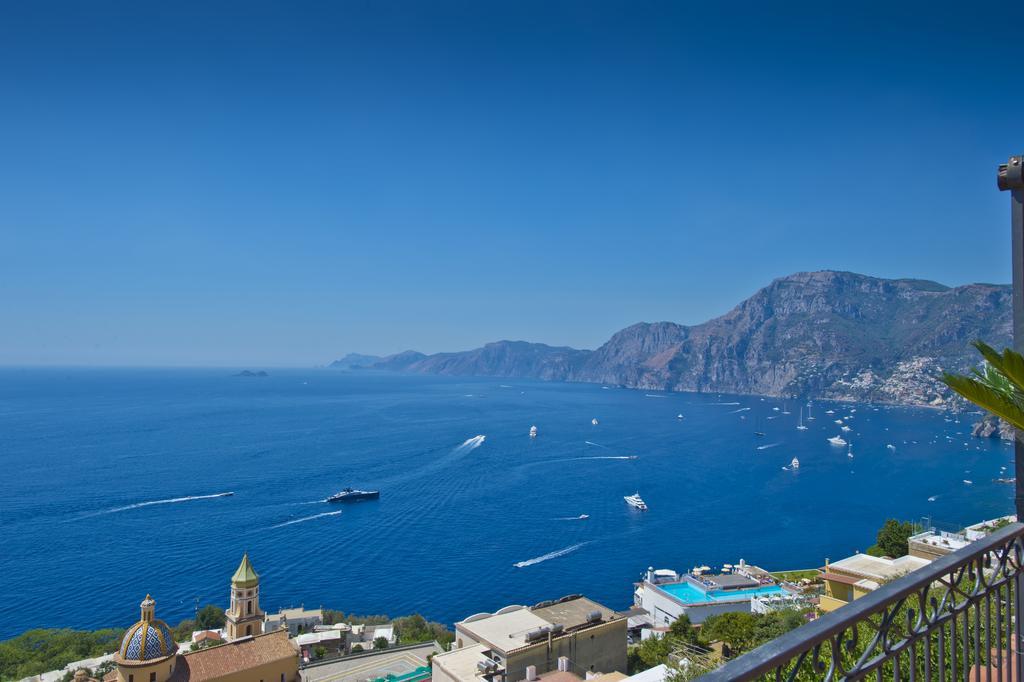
{"points": [[37, 651], [183, 630], [892, 538], [998, 386], [737, 629], [649, 653], [320, 651], [210, 617], [681, 631], [357, 648]]}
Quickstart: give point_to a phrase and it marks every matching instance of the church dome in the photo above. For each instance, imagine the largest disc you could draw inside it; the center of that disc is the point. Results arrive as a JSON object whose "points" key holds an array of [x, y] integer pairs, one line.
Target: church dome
{"points": [[147, 640]]}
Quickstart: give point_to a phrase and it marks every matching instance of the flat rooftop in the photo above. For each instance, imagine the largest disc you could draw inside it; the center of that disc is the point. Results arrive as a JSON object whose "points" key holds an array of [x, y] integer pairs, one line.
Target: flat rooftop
{"points": [[878, 568], [573, 612], [503, 630], [461, 663], [730, 581]]}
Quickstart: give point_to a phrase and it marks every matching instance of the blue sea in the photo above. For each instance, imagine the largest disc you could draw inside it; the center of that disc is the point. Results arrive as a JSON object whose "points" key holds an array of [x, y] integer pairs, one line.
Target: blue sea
{"points": [[112, 479]]}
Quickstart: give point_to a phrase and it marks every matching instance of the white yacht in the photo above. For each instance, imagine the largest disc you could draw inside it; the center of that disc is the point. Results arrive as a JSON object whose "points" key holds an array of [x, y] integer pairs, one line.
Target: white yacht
{"points": [[533, 432], [594, 421], [679, 416], [795, 464], [845, 429], [837, 440], [636, 501]]}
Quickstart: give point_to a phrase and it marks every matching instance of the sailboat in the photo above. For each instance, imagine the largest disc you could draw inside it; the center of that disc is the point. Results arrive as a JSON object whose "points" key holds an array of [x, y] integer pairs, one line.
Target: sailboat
{"points": [[849, 451], [809, 417], [800, 426]]}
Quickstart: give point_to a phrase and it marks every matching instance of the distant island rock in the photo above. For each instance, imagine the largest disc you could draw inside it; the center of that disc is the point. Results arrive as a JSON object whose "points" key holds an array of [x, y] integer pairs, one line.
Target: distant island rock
{"points": [[831, 335], [250, 373], [355, 361], [993, 427]]}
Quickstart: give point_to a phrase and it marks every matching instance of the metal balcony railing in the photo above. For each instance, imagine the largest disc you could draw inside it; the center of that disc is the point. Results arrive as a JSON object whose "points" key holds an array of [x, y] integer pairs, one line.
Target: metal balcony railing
{"points": [[958, 618]]}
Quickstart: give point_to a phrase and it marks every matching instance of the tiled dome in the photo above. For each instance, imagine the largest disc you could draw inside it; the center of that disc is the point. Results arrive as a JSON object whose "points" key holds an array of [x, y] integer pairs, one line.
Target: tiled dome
{"points": [[148, 639]]}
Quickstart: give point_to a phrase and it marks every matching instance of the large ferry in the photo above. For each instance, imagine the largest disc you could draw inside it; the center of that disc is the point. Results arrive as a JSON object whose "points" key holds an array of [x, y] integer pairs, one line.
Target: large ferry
{"points": [[350, 495], [636, 501]]}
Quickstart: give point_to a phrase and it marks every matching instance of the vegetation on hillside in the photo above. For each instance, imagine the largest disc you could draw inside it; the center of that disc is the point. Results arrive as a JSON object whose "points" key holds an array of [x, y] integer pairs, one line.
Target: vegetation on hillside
{"points": [[892, 539], [38, 651]]}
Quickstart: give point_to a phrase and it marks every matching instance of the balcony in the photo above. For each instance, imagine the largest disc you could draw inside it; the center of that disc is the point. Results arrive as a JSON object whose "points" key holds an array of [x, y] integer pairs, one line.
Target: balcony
{"points": [[958, 618]]}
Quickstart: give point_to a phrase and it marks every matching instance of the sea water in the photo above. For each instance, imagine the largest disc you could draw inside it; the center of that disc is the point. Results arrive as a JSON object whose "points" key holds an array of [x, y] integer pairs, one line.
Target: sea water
{"points": [[113, 485]]}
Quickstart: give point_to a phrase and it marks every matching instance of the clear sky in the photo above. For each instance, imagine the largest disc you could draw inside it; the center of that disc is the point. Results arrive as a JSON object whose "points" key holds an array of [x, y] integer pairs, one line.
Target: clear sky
{"points": [[280, 183]]}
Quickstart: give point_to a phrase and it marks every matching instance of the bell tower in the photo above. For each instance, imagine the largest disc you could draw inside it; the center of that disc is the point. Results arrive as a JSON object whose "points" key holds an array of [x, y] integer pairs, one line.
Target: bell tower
{"points": [[244, 616]]}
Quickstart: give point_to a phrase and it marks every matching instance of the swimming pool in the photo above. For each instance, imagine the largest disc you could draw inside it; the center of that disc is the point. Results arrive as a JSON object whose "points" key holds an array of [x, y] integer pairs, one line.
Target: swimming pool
{"points": [[689, 593]]}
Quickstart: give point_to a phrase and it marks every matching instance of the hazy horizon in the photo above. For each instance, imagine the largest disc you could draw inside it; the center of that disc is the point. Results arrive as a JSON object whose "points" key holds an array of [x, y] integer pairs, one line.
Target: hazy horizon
{"points": [[266, 185]]}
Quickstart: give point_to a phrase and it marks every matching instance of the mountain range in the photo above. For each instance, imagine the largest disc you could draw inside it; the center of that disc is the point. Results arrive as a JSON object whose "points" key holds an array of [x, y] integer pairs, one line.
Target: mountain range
{"points": [[826, 334]]}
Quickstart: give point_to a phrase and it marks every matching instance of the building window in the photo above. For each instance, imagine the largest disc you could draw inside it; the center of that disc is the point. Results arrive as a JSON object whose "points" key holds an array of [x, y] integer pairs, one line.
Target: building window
{"points": [[152, 677], [249, 606], [248, 631], [131, 678]]}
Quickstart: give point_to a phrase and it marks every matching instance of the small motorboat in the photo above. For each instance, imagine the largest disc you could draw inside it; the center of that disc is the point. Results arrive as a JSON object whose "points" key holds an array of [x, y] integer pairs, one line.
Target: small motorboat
{"points": [[679, 416], [795, 464], [837, 440], [533, 432], [350, 495], [636, 501], [582, 517], [594, 421]]}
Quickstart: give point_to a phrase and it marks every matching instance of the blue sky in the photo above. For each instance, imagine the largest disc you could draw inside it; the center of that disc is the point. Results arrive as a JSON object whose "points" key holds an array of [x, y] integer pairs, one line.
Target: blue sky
{"points": [[279, 183]]}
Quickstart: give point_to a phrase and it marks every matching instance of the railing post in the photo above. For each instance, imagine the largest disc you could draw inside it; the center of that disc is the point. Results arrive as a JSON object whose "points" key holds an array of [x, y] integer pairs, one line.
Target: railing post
{"points": [[1011, 178]]}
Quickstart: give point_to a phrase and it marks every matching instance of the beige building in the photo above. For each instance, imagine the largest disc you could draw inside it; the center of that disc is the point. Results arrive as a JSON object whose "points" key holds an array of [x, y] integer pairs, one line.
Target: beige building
{"points": [[244, 617], [570, 635], [859, 574]]}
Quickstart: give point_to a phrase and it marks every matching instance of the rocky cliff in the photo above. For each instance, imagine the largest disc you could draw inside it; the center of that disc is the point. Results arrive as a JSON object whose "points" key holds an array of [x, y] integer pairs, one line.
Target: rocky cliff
{"points": [[822, 334]]}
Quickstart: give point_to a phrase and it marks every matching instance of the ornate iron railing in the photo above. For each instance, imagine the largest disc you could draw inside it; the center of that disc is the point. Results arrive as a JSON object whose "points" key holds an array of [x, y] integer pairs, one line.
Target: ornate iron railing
{"points": [[958, 618]]}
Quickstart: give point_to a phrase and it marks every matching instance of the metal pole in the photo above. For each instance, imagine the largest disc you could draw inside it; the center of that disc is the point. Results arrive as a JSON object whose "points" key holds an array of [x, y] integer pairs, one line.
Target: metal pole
{"points": [[1011, 178]]}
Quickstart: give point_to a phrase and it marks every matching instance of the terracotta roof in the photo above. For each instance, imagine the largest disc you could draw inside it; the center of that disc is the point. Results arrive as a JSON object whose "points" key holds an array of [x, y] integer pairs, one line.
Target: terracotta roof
{"points": [[242, 654], [246, 575], [840, 578]]}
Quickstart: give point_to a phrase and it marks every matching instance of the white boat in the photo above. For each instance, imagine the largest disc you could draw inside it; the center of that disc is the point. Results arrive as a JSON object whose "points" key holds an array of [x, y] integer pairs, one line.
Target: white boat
{"points": [[636, 501], [533, 432], [679, 416], [849, 453], [594, 421], [829, 411], [890, 446], [837, 440], [845, 429], [795, 464], [839, 421], [968, 482], [800, 426], [581, 517]]}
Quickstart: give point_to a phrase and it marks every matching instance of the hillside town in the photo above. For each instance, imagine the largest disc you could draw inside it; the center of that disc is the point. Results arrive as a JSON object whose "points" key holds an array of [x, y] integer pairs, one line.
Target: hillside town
{"points": [[680, 624]]}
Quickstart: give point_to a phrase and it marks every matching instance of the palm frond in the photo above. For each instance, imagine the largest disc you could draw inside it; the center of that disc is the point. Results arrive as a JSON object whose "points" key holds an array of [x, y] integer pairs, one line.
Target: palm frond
{"points": [[995, 401]]}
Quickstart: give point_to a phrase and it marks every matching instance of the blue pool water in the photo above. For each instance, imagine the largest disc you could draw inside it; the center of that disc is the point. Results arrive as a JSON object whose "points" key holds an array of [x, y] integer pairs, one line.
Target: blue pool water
{"points": [[106, 478], [691, 594]]}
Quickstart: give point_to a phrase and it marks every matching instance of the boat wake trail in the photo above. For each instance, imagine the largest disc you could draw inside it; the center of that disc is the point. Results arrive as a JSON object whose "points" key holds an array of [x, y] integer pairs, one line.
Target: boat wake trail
{"points": [[303, 519], [742, 409], [590, 442], [770, 445], [172, 500], [724, 404], [651, 395], [571, 518], [471, 443], [549, 555]]}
